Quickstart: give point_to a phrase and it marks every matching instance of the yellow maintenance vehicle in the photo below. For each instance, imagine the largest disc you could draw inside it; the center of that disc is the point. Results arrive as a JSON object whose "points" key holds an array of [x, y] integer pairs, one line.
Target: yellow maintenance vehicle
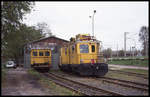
{"points": [[82, 55], [41, 59]]}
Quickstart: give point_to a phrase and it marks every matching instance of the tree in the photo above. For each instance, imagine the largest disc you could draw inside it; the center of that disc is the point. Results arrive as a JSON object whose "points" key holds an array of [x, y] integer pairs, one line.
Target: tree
{"points": [[12, 29], [107, 53], [44, 29], [11, 18], [121, 53], [15, 41], [15, 34], [144, 38], [12, 14]]}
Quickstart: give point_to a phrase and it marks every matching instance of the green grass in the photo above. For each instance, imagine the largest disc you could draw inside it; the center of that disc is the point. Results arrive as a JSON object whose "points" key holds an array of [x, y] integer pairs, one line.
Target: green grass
{"points": [[119, 76], [56, 88], [130, 62], [3, 74], [35, 73], [132, 57], [53, 88], [136, 71]]}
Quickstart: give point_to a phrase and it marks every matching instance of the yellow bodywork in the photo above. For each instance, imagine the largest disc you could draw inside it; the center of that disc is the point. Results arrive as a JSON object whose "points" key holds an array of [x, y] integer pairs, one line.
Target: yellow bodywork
{"points": [[44, 59], [71, 54], [82, 55]]}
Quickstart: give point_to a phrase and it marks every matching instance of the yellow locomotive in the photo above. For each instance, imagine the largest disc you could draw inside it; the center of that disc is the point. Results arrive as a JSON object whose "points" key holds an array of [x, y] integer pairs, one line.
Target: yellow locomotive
{"points": [[41, 59], [82, 55]]}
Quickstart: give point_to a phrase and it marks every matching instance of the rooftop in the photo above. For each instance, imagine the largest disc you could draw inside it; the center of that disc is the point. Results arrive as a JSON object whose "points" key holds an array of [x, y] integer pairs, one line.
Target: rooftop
{"points": [[47, 38]]}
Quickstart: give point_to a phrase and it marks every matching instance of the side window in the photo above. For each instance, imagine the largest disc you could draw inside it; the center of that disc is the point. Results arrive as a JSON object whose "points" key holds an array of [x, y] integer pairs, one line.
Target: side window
{"points": [[93, 48], [72, 49], [34, 53], [65, 51], [47, 53], [40, 53]]}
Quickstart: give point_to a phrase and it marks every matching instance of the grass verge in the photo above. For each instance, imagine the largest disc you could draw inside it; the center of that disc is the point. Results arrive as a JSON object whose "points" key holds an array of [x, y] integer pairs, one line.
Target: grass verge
{"points": [[144, 63], [136, 71], [3, 74]]}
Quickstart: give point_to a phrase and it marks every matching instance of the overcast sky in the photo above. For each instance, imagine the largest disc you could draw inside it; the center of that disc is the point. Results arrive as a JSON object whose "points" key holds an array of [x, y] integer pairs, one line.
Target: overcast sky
{"points": [[112, 19]]}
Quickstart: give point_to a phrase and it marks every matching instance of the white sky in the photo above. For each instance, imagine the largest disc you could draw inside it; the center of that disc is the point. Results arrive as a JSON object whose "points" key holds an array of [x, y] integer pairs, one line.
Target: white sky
{"points": [[112, 19]]}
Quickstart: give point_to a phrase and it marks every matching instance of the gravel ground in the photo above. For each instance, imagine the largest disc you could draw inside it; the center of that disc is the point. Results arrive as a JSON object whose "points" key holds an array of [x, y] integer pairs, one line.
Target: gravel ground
{"points": [[19, 82], [127, 77], [104, 85]]}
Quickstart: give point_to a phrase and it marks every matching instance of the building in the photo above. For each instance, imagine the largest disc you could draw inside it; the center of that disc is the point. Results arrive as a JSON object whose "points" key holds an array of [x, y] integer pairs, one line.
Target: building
{"points": [[52, 42]]}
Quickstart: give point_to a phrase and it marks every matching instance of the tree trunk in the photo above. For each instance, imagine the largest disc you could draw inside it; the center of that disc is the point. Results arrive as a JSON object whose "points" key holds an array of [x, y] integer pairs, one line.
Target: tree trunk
{"points": [[16, 60]]}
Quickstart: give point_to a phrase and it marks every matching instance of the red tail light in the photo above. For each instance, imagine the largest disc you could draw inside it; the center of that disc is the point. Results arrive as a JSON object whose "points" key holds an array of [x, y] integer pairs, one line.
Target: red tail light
{"points": [[92, 61]]}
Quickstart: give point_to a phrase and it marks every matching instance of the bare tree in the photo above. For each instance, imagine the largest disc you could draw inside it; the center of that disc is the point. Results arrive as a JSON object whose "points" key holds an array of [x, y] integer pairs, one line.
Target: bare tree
{"points": [[144, 38], [44, 29], [121, 53], [107, 52]]}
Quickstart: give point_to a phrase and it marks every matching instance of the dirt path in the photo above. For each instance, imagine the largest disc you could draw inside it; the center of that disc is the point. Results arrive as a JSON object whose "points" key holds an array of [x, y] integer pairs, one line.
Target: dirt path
{"points": [[19, 82], [125, 66]]}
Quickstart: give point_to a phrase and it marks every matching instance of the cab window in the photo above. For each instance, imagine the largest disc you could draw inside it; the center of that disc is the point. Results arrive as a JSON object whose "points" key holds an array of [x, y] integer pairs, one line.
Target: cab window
{"points": [[34, 53], [40, 53], [47, 53], [84, 48], [93, 48]]}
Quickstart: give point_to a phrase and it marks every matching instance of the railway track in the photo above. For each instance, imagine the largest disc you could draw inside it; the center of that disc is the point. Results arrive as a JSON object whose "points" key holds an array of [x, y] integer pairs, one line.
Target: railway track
{"points": [[79, 87], [124, 83], [131, 74], [130, 84]]}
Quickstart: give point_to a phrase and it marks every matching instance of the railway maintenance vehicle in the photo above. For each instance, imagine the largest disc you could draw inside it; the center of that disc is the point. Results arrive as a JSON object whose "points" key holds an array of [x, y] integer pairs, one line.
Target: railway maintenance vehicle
{"points": [[41, 59], [82, 55]]}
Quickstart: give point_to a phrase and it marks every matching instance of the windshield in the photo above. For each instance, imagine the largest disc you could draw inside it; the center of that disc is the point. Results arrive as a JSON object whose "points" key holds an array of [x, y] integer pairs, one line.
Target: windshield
{"points": [[84, 48], [10, 62]]}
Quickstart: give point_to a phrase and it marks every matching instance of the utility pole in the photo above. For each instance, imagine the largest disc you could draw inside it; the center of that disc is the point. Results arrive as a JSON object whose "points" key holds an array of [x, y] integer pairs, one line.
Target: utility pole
{"points": [[133, 51], [111, 54], [117, 50], [130, 52], [125, 33], [93, 21]]}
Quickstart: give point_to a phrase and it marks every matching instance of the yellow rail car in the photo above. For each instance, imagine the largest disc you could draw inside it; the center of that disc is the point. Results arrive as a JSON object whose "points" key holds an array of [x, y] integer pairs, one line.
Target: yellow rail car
{"points": [[41, 59], [82, 56]]}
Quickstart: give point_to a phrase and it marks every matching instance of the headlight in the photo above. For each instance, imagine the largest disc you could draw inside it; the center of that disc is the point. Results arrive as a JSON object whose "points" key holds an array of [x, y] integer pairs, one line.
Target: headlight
{"points": [[97, 67]]}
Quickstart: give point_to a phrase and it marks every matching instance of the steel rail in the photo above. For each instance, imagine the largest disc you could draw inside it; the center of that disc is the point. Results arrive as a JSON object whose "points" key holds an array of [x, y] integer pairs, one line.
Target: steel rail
{"points": [[126, 83], [131, 73], [80, 87]]}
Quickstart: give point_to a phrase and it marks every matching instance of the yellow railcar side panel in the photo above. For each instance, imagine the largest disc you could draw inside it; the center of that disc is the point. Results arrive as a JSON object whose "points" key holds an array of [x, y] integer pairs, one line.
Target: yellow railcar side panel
{"points": [[75, 57], [64, 55], [40, 59]]}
